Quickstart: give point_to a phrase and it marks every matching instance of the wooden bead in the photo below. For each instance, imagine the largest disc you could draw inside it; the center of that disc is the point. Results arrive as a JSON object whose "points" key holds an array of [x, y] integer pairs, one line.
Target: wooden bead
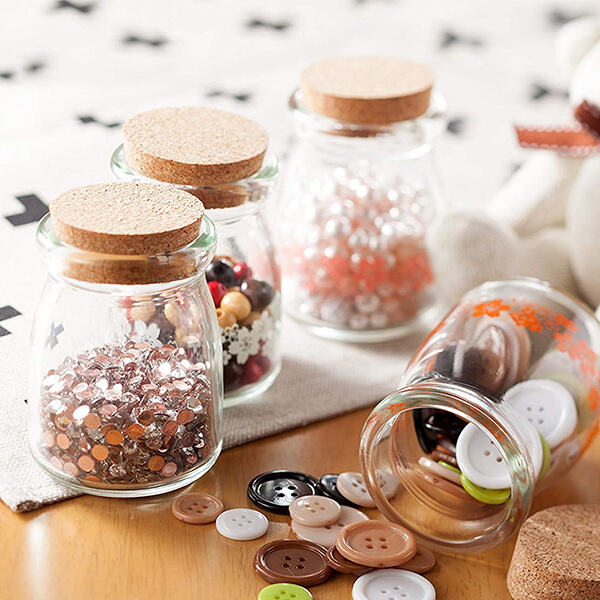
{"points": [[171, 311], [225, 317], [143, 311], [236, 303]]}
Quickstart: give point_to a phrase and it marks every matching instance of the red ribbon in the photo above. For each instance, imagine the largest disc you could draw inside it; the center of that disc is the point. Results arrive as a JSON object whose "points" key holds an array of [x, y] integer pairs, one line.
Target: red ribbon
{"points": [[578, 140]]}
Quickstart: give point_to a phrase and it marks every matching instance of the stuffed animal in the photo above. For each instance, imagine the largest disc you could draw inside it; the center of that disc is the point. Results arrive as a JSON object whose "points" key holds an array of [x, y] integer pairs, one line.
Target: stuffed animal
{"points": [[545, 222]]}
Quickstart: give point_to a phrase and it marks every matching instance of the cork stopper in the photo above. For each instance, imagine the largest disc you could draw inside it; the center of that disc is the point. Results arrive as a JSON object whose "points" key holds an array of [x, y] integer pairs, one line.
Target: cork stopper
{"points": [[194, 146], [367, 90], [557, 555], [121, 225]]}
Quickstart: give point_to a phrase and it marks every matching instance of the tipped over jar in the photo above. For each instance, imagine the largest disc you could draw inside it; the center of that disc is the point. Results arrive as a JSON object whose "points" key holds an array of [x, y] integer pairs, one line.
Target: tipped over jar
{"points": [[126, 380], [222, 158], [496, 405], [360, 193]]}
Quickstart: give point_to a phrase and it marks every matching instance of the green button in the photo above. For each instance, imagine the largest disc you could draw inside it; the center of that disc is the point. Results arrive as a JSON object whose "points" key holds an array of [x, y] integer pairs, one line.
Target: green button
{"points": [[484, 495], [448, 466], [547, 458], [284, 591]]}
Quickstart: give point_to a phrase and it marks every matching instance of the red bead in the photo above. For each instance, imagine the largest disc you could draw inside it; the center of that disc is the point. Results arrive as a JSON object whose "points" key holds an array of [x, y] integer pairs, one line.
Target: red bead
{"points": [[252, 372], [242, 271], [217, 291]]}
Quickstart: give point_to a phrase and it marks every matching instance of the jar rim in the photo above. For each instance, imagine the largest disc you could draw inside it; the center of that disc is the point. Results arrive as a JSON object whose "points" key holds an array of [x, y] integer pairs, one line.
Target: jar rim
{"points": [[425, 127], [474, 407], [80, 265]]}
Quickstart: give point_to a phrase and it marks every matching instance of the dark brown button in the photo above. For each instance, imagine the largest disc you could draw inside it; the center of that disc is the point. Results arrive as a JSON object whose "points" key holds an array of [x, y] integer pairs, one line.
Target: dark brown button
{"points": [[292, 561], [342, 565]]}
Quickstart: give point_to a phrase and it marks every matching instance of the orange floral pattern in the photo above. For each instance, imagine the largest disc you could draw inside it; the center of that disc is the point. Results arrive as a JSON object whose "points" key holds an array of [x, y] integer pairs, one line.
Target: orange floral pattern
{"points": [[492, 308], [538, 318]]}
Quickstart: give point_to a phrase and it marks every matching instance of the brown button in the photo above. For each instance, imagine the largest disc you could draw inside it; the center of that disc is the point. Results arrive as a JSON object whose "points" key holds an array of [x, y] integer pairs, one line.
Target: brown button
{"points": [[197, 508], [422, 562], [376, 544], [447, 487], [342, 565], [292, 561]]}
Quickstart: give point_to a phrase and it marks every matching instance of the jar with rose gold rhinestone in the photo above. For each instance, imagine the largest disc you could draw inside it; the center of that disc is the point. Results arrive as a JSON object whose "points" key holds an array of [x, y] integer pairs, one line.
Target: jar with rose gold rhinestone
{"points": [[123, 400], [358, 197], [223, 159], [498, 404]]}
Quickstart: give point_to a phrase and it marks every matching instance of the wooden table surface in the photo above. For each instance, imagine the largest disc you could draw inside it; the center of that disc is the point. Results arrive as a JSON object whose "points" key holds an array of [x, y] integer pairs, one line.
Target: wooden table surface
{"points": [[93, 548]]}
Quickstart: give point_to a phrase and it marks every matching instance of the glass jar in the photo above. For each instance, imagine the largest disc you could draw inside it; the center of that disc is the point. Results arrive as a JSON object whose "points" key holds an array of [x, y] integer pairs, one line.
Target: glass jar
{"points": [[357, 201], [245, 264], [499, 401], [126, 382]]}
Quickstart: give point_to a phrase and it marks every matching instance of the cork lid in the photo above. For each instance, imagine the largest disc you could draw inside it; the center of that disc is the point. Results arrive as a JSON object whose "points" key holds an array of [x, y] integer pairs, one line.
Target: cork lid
{"points": [[120, 225], [367, 90], [194, 146], [557, 555]]}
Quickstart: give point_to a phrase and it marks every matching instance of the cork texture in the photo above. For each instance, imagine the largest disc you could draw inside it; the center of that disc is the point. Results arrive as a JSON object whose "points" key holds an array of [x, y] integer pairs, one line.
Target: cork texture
{"points": [[126, 218], [367, 90], [193, 145], [557, 555]]}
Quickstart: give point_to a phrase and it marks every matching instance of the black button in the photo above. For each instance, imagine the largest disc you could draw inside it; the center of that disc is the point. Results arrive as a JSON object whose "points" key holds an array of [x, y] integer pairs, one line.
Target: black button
{"points": [[276, 490], [328, 486]]}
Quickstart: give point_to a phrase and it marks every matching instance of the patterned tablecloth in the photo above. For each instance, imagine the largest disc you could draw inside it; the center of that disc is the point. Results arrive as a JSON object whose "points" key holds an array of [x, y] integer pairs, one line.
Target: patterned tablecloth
{"points": [[72, 71]]}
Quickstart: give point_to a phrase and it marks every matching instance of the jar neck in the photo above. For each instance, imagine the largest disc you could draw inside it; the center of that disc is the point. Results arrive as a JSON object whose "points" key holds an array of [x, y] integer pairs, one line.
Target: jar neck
{"points": [[224, 202], [471, 406], [403, 140]]}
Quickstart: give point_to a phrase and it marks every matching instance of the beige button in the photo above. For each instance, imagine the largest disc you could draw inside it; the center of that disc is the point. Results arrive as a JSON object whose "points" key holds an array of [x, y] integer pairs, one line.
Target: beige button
{"points": [[197, 508], [422, 562], [327, 535], [315, 511], [376, 544]]}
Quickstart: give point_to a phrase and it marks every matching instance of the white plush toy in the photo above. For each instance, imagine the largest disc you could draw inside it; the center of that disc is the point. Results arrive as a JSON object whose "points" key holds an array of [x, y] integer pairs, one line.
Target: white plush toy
{"points": [[524, 234]]}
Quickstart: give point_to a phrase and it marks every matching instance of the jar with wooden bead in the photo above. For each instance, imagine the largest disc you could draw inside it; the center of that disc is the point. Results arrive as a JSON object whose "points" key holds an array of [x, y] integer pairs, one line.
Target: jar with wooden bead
{"points": [[499, 403], [223, 159], [126, 388], [359, 196]]}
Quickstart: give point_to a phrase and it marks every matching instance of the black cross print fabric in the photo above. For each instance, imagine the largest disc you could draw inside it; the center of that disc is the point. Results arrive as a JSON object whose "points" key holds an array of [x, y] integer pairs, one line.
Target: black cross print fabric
{"points": [[71, 71]]}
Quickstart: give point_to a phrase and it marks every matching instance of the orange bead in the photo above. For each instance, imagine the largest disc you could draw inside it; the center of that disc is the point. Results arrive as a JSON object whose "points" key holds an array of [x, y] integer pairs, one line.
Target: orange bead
{"points": [[225, 318]]}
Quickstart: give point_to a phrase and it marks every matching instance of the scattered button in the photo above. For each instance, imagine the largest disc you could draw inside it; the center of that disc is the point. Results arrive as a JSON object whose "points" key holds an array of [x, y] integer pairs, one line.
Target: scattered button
{"points": [[242, 524], [484, 495], [439, 470], [392, 584], [547, 461], [284, 591], [422, 562], [376, 544], [547, 405], [352, 486], [327, 535], [292, 561], [315, 511], [342, 565], [197, 508], [276, 490], [328, 486]]}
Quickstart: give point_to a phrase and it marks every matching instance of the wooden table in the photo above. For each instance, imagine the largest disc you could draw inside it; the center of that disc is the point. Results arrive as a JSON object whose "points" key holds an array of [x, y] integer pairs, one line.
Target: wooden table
{"points": [[94, 548]]}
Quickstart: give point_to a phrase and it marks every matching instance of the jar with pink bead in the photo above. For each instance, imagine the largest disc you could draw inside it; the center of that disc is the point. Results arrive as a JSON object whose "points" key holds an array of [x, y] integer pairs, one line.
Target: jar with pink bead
{"points": [[359, 195]]}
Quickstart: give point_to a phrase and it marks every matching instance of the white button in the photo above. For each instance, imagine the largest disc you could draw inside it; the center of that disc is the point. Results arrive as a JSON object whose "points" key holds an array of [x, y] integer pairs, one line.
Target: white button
{"points": [[547, 405], [242, 524], [352, 486], [479, 458], [392, 584], [388, 483]]}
